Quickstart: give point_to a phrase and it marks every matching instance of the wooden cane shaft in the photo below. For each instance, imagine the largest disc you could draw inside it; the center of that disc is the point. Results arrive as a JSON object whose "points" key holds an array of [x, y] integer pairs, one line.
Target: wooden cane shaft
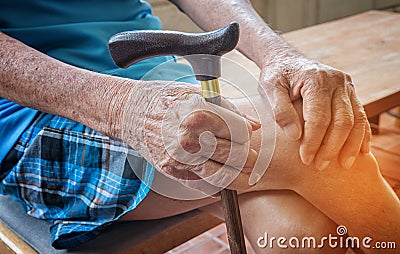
{"points": [[229, 198], [233, 221]]}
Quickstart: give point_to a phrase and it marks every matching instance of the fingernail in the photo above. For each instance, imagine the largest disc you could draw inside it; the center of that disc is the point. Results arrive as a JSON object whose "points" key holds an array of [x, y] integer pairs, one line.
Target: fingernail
{"points": [[323, 165], [254, 178], [349, 162], [292, 131], [253, 119], [308, 159]]}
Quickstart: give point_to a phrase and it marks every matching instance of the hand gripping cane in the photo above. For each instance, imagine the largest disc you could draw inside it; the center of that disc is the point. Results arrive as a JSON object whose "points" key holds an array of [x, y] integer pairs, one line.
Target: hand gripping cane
{"points": [[203, 52]]}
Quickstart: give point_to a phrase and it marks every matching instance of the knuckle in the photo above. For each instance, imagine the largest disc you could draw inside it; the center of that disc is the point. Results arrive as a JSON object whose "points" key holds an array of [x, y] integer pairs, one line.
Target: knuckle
{"points": [[321, 73], [188, 143], [337, 73], [347, 77], [268, 77], [320, 90], [344, 123], [196, 120], [360, 119], [329, 72], [360, 115]]}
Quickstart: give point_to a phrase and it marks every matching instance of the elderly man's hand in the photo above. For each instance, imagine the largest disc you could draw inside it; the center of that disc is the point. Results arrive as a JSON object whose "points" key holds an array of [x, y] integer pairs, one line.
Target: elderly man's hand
{"points": [[334, 120], [183, 136]]}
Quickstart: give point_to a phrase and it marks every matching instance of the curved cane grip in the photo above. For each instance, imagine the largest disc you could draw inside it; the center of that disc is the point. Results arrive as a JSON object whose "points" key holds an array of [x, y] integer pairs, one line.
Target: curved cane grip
{"points": [[129, 47]]}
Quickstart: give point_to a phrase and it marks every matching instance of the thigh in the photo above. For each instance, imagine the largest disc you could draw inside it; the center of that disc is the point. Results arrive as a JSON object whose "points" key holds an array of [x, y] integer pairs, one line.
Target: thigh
{"points": [[73, 176], [156, 206]]}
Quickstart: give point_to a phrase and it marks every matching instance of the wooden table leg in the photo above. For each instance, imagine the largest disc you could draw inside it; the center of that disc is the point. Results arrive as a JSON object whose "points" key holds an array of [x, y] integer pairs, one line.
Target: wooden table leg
{"points": [[374, 121], [397, 121]]}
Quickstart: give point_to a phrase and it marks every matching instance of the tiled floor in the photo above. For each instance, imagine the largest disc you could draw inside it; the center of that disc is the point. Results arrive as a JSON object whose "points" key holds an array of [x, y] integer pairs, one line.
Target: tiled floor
{"points": [[385, 146], [213, 241]]}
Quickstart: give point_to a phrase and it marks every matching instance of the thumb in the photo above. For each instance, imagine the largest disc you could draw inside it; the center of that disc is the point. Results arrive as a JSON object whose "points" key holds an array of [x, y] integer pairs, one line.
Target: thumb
{"points": [[284, 112], [254, 122]]}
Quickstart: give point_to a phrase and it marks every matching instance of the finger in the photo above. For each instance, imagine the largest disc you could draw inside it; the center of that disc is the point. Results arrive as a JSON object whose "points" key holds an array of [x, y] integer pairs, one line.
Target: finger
{"points": [[223, 176], [339, 129], [190, 180], [353, 143], [202, 186], [221, 122], [366, 144], [255, 123], [285, 114], [317, 117], [236, 155], [220, 150], [213, 173]]}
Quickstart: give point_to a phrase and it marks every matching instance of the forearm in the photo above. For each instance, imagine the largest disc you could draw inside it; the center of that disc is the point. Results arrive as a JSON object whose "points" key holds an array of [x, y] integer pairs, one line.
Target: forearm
{"points": [[33, 79], [257, 40]]}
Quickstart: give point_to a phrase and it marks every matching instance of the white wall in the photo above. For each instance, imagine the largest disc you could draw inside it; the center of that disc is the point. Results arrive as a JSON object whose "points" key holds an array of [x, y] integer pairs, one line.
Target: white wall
{"points": [[287, 15], [282, 15]]}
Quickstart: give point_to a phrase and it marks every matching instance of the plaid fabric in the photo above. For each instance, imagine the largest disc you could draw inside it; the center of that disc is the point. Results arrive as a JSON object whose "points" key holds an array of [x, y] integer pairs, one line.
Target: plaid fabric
{"points": [[73, 176]]}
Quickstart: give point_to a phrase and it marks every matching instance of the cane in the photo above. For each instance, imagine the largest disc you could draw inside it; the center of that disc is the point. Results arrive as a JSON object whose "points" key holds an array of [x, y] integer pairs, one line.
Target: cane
{"points": [[203, 52]]}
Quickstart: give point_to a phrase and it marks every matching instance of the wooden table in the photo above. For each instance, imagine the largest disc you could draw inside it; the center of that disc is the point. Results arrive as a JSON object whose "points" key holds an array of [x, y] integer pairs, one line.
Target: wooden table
{"points": [[366, 46]]}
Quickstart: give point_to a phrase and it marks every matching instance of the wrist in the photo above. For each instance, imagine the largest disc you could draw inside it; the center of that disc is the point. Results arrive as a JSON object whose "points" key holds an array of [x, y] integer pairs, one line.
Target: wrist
{"points": [[114, 96], [278, 52], [267, 48]]}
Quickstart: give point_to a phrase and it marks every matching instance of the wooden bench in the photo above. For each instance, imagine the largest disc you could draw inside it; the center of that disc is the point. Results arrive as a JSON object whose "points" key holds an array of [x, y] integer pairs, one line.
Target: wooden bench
{"points": [[367, 46]]}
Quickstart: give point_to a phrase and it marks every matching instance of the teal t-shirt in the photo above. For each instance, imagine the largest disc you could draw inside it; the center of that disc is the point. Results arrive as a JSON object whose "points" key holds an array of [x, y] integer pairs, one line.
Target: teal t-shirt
{"points": [[75, 32]]}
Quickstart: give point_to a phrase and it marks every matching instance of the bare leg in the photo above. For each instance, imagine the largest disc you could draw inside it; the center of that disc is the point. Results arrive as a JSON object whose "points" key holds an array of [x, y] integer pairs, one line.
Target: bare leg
{"points": [[269, 215], [358, 198]]}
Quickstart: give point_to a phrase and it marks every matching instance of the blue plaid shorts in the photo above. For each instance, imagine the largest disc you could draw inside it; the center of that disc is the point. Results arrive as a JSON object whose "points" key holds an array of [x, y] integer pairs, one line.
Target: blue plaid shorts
{"points": [[74, 177]]}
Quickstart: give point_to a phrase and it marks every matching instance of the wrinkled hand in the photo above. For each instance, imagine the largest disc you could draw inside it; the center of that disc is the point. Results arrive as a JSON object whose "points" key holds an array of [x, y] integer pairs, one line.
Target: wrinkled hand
{"points": [[335, 123], [185, 137]]}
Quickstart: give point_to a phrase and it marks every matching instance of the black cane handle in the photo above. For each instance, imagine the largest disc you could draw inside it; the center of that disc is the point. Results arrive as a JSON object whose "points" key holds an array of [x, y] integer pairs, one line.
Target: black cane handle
{"points": [[129, 47]]}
